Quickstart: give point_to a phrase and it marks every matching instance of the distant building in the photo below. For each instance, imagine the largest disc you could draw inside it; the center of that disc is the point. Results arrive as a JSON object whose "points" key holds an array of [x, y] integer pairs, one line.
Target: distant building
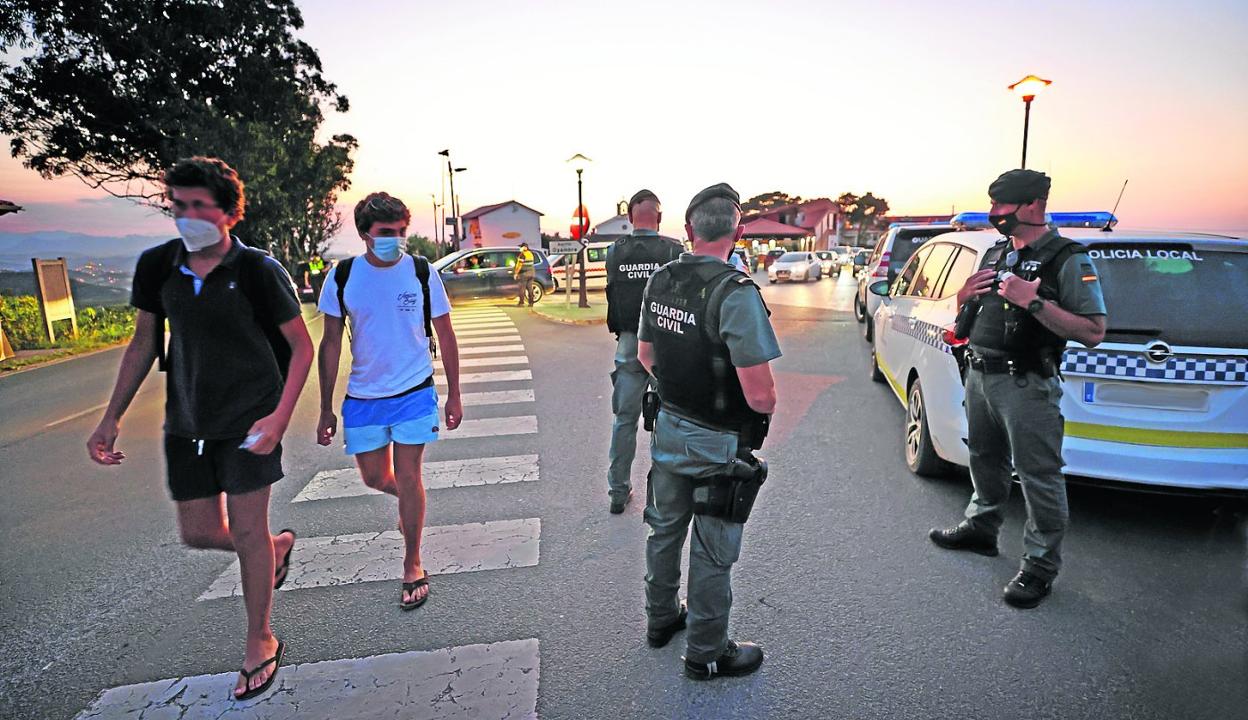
{"points": [[611, 230], [505, 223], [819, 218]]}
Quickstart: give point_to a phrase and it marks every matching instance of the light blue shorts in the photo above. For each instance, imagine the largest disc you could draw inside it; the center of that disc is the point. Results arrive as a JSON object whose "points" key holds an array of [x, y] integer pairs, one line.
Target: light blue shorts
{"points": [[408, 419]]}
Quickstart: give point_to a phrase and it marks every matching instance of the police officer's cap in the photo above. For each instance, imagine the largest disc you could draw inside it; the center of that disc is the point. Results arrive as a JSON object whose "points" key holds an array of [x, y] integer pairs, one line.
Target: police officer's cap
{"points": [[641, 196], [1019, 186], [718, 190]]}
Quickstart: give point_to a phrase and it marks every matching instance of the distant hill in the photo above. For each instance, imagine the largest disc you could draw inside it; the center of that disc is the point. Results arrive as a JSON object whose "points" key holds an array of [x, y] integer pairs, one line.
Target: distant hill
{"points": [[85, 294], [119, 253]]}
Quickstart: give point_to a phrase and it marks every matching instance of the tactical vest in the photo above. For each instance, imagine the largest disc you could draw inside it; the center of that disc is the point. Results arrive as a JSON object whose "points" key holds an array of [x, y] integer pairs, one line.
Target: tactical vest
{"points": [[693, 368], [630, 263], [1027, 337]]}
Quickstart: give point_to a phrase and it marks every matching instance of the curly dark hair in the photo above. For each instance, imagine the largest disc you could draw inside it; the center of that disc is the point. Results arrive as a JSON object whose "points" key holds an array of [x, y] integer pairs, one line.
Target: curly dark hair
{"points": [[215, 175], [380, 207]]}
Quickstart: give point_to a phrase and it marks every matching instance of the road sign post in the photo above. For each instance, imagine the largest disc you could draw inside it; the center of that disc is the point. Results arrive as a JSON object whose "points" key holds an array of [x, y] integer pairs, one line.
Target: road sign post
{"points": [[566, 247]]}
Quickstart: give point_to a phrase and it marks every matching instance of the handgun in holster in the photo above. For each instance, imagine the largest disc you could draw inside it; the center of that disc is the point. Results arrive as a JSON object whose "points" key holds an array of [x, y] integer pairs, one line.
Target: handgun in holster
{"points": [[731, 495], [649, 409]]}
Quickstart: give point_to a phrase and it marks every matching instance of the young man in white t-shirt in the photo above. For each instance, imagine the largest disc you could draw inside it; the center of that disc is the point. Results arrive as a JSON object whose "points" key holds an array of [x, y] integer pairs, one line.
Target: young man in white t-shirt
{"points": [[391, 409]]}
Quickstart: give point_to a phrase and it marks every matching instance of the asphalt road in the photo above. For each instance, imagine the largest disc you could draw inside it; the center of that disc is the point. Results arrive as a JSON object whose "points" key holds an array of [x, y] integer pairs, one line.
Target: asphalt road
{"points": [[860, 615]]}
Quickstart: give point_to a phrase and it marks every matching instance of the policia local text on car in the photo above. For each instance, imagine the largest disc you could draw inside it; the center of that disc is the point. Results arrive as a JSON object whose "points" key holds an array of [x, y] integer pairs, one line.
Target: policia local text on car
{"points": [[1037, 291], [631, 261], [706, 338]]}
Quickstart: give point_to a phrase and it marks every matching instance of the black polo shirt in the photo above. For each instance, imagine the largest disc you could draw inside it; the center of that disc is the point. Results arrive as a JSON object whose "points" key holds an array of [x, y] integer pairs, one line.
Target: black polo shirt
{"points": [[223, 375]]}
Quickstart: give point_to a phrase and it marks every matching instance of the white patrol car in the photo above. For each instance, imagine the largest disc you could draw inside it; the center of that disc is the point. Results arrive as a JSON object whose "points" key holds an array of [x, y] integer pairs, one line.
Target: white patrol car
{"points": [[1163, 401]]}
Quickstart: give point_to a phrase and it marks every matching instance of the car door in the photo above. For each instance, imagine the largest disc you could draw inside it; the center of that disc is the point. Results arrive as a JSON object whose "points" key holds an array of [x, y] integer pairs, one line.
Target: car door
{"points": [[913, 311], [891, 337], [465, 278], [501, 278]]}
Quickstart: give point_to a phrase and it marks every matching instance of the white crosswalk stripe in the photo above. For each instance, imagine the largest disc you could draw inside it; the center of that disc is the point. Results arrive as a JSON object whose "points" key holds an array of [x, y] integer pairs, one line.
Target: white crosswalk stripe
{"points": [[331, 484], [486, 377], [490, 349], [498, 680], [477, 332], [486, 362], [487, 339], [376, 556]]}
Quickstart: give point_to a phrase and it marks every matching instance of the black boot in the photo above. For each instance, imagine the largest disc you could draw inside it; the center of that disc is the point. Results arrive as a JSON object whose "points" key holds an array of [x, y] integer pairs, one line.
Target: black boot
{"points": [[738, 659], [1026, 590], [658, 637], [965, 537]]}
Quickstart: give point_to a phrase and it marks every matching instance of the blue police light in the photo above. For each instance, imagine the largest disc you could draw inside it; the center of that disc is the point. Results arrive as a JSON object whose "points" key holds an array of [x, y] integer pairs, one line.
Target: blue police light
{"points": [[979, 220]]}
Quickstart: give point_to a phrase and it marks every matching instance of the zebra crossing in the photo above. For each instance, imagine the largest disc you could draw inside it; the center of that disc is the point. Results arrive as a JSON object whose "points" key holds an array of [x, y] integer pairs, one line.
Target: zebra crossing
{"points": [[494, 680]]}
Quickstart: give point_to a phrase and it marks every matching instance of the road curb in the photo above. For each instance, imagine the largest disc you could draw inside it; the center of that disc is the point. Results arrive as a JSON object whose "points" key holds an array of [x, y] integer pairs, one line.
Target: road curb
{"points": [[566, 321], [59, 360]]}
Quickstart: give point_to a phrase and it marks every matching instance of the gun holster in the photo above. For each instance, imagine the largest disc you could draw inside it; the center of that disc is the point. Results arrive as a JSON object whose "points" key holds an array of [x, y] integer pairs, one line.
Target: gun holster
{"points": [[649, 409], [731, 495]]}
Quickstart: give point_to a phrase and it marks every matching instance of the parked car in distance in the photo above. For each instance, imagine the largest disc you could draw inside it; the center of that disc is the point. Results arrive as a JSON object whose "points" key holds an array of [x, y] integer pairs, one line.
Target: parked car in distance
{"points": [[830, 263], [795, 266], [771, 256], [489, 272], [747, 257], [1162, 401]]}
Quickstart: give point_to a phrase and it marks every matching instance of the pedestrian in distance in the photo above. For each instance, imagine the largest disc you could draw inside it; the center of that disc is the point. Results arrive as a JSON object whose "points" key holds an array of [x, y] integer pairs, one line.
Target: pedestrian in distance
{"points": [[238, 357], [525, 273], [706, 338], [314, 276], [390, 413], [1037, 291], [631, 261]]}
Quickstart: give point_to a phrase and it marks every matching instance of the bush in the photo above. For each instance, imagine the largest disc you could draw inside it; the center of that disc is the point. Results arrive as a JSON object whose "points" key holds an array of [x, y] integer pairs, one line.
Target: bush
{"points": [[23, 324]]}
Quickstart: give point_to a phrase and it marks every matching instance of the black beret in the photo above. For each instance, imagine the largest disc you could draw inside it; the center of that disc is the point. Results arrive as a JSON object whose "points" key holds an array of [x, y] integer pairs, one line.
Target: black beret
{"points": [[641, 196], [1019, 186], [718, 190]]}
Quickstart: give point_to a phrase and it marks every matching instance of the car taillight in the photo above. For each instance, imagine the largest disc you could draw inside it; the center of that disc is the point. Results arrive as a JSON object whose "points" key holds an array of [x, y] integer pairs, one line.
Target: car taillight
{"points": [[950, 339], [881, 270]]}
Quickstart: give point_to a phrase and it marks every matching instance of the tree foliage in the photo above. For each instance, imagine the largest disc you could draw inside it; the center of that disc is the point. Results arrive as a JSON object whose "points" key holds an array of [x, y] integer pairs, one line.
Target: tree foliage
{"points": [[863, 212], [417, 244], [115, 91], [768, 201]]}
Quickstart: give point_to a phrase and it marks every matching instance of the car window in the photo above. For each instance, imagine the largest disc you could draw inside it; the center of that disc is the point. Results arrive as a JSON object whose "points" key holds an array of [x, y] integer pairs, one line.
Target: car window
{"points": [[1172, 292], [903, 247], [879, 249], [962, 267], [595, 254], [901, 285], [794, 257], [928, 278], [472, 262], [496, 259]]}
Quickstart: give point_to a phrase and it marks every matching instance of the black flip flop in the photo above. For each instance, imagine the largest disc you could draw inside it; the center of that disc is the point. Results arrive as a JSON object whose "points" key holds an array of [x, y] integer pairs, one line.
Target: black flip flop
{"points": [[276, 661], [410, 587], [279, 575]]}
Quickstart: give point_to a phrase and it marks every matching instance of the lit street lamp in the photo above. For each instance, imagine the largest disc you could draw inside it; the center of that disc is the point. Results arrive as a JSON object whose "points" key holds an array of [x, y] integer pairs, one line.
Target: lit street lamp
{"points": [[579, 162], [1027, 89], [455, 234]]}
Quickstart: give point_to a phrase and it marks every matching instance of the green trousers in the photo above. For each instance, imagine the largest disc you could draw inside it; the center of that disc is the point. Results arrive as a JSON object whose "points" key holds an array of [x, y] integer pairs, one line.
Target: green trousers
{"points": [[1016, 422]]}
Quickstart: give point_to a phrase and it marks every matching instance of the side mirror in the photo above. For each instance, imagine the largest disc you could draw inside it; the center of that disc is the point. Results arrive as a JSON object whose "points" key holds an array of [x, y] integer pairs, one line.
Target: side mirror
{"points": [[879, 287], [860, 260]]}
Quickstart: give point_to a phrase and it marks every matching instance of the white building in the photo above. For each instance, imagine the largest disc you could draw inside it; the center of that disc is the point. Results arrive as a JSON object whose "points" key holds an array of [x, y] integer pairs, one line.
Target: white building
{"points": [[507, 223], [616, 227]]}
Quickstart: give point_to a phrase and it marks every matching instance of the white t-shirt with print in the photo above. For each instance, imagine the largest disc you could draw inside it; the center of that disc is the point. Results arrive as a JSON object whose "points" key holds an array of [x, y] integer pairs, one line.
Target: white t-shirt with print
{"points": [[389, 350]]}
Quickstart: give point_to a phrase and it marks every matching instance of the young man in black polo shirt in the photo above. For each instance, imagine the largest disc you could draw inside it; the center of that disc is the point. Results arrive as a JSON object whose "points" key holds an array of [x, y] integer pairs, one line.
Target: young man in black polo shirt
{"points": [[227, 405]]}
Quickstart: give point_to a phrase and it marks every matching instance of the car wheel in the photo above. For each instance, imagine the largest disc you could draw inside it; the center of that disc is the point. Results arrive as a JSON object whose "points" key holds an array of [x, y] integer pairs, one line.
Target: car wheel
{"points": [[860, 313], [877, 375], [868, 329], [537, 290], [921, 455]]}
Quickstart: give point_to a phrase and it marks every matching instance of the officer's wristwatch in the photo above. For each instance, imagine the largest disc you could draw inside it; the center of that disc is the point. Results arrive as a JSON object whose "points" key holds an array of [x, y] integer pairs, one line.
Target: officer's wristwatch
{"points": [[1035, 306]]}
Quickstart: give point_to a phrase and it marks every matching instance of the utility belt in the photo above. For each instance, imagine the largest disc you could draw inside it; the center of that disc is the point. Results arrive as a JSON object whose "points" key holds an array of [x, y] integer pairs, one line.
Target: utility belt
{"points": [[1043, 365], [729, 495], [750, 435]]}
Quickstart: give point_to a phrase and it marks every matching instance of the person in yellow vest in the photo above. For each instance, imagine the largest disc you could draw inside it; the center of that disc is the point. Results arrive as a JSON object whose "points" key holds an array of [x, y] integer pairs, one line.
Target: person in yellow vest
{"points": [[525, 272], [314, 277]]}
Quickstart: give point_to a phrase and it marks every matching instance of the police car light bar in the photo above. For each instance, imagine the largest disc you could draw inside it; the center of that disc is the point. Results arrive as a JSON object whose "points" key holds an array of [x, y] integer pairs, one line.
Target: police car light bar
{"points": [[979, 220]]}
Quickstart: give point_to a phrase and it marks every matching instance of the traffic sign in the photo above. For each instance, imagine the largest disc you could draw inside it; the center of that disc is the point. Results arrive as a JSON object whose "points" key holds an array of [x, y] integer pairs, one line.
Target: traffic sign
{"points": [[565, 247]]}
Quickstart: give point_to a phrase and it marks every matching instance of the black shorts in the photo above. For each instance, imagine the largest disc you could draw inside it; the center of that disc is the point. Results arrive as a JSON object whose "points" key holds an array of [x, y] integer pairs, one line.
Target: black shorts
{"points": [[217, 466]]}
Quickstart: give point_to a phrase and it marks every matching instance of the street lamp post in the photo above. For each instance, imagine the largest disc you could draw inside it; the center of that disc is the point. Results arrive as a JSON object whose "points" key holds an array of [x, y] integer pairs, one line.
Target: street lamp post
{"points": [[579, 162], [450, 170], [1027, 89]]}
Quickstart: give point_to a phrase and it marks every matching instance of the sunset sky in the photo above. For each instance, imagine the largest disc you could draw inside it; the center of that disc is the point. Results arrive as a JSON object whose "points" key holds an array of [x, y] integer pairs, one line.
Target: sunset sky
{"points": [[905, 99]]}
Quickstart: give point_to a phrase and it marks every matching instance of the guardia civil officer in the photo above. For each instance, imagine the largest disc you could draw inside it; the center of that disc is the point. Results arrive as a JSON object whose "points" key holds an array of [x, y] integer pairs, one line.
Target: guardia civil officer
{"points": [[631, 261], [705, 337], [1037, 291]]}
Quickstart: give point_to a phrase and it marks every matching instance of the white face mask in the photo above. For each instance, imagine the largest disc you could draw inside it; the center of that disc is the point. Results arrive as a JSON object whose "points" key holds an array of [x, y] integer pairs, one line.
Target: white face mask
{"points": [[197, 234]]}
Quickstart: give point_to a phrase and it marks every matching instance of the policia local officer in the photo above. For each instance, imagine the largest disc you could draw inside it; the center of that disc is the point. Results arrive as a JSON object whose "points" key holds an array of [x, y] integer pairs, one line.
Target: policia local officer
{"points": [[705, 337], [631, 261], [1037, 291]]}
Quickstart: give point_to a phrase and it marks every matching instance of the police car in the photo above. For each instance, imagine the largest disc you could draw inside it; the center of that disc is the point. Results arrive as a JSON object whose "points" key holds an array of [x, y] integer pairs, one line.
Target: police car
{"points": [[1162, 401]]}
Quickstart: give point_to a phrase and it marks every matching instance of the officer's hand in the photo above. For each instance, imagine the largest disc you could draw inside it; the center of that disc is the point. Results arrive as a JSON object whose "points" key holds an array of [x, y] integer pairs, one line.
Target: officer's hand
{"points": [[976, 285], [1019, 291]]}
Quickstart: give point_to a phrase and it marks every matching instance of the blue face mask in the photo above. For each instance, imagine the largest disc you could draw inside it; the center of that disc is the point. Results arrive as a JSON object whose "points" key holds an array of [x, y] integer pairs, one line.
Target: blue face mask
{"points": [[386, 248]]}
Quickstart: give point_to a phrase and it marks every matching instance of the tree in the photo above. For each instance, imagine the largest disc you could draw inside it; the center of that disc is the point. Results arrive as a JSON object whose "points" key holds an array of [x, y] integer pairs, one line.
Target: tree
{"points": [[768, 201], [863, 212], [114, 92], [420, 245]]}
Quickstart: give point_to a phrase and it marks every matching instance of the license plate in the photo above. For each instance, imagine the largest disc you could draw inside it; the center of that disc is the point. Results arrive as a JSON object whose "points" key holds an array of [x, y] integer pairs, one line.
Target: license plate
{"points": [[782, 273]]}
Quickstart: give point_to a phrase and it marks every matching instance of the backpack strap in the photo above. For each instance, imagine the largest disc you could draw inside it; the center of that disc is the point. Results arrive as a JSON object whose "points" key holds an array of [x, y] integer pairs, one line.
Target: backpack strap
{"points": [[342, 271], [156, 272], [422, 274]]}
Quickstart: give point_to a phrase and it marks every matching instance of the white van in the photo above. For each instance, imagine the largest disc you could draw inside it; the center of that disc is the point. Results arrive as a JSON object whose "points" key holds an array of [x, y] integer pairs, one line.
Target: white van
{"points": [[595, 267]]}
